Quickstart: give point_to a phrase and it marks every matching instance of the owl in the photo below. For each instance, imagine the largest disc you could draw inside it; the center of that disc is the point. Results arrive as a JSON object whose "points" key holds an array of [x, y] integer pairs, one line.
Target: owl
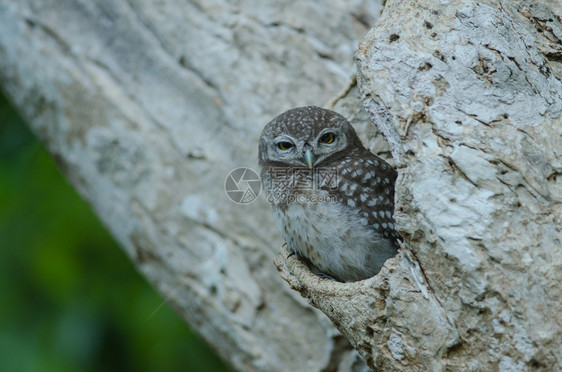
{"points": [[333, 199]]}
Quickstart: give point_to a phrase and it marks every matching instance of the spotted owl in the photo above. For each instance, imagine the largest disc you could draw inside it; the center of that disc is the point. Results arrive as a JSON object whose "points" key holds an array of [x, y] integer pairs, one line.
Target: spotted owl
{"points": [[332, 198]]}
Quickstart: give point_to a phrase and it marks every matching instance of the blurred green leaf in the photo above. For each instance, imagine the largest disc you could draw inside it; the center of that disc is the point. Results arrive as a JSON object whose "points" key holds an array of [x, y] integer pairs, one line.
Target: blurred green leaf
{"points": [[71, 300]]}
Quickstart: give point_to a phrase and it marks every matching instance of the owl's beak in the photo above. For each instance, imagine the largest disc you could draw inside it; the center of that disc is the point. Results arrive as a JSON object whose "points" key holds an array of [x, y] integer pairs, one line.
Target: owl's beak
{"points": [[309, 158]]}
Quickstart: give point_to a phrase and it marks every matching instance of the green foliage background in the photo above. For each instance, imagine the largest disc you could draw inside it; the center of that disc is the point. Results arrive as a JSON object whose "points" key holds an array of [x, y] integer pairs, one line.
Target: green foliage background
{"points": [[70, 299]]}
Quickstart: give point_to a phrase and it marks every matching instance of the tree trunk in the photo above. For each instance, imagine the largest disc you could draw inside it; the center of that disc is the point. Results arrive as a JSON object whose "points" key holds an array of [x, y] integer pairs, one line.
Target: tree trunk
{"points": [[147, 107]]}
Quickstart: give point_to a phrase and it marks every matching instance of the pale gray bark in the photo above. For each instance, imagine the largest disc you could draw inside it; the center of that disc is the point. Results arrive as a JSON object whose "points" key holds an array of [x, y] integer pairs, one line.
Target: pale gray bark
{"points": [[469, 96], [147, 106]]}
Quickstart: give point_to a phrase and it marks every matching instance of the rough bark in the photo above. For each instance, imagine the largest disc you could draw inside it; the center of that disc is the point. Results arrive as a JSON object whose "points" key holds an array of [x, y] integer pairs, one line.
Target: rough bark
{"points": [[469, 96], [147, 108]]}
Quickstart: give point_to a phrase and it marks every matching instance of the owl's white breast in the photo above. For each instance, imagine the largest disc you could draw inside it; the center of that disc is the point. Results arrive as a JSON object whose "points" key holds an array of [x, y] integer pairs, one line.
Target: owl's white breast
{"points": [[332, 236]]}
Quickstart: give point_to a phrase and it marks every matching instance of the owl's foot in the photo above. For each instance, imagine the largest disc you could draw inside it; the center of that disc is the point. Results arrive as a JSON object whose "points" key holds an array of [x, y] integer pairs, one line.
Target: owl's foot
{"points": [[292, 252], [325, 276]]}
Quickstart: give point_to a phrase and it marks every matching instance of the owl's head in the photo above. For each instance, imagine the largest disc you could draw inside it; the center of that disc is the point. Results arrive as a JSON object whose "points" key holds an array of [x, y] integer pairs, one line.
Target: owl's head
{"points": [[305, 137]]}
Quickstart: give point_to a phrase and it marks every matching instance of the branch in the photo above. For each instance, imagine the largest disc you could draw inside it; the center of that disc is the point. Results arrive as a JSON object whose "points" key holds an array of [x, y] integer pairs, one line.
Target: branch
{"points": [[382, 315], [148, 107], [469, 98]]}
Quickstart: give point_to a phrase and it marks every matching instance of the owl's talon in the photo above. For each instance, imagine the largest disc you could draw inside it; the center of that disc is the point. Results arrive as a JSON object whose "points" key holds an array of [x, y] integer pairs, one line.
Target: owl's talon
{"points": [[325, 276], [292, 251]]}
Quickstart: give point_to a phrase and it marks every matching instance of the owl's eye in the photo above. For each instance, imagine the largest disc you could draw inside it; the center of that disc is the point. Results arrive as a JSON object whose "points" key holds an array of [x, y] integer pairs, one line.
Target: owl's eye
{"points": [[327, 138], [285, 145]]}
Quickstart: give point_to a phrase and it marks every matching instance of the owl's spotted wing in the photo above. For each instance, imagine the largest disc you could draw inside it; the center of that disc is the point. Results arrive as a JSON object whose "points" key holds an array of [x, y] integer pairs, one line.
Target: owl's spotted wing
{"points": [[365, 183]]}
